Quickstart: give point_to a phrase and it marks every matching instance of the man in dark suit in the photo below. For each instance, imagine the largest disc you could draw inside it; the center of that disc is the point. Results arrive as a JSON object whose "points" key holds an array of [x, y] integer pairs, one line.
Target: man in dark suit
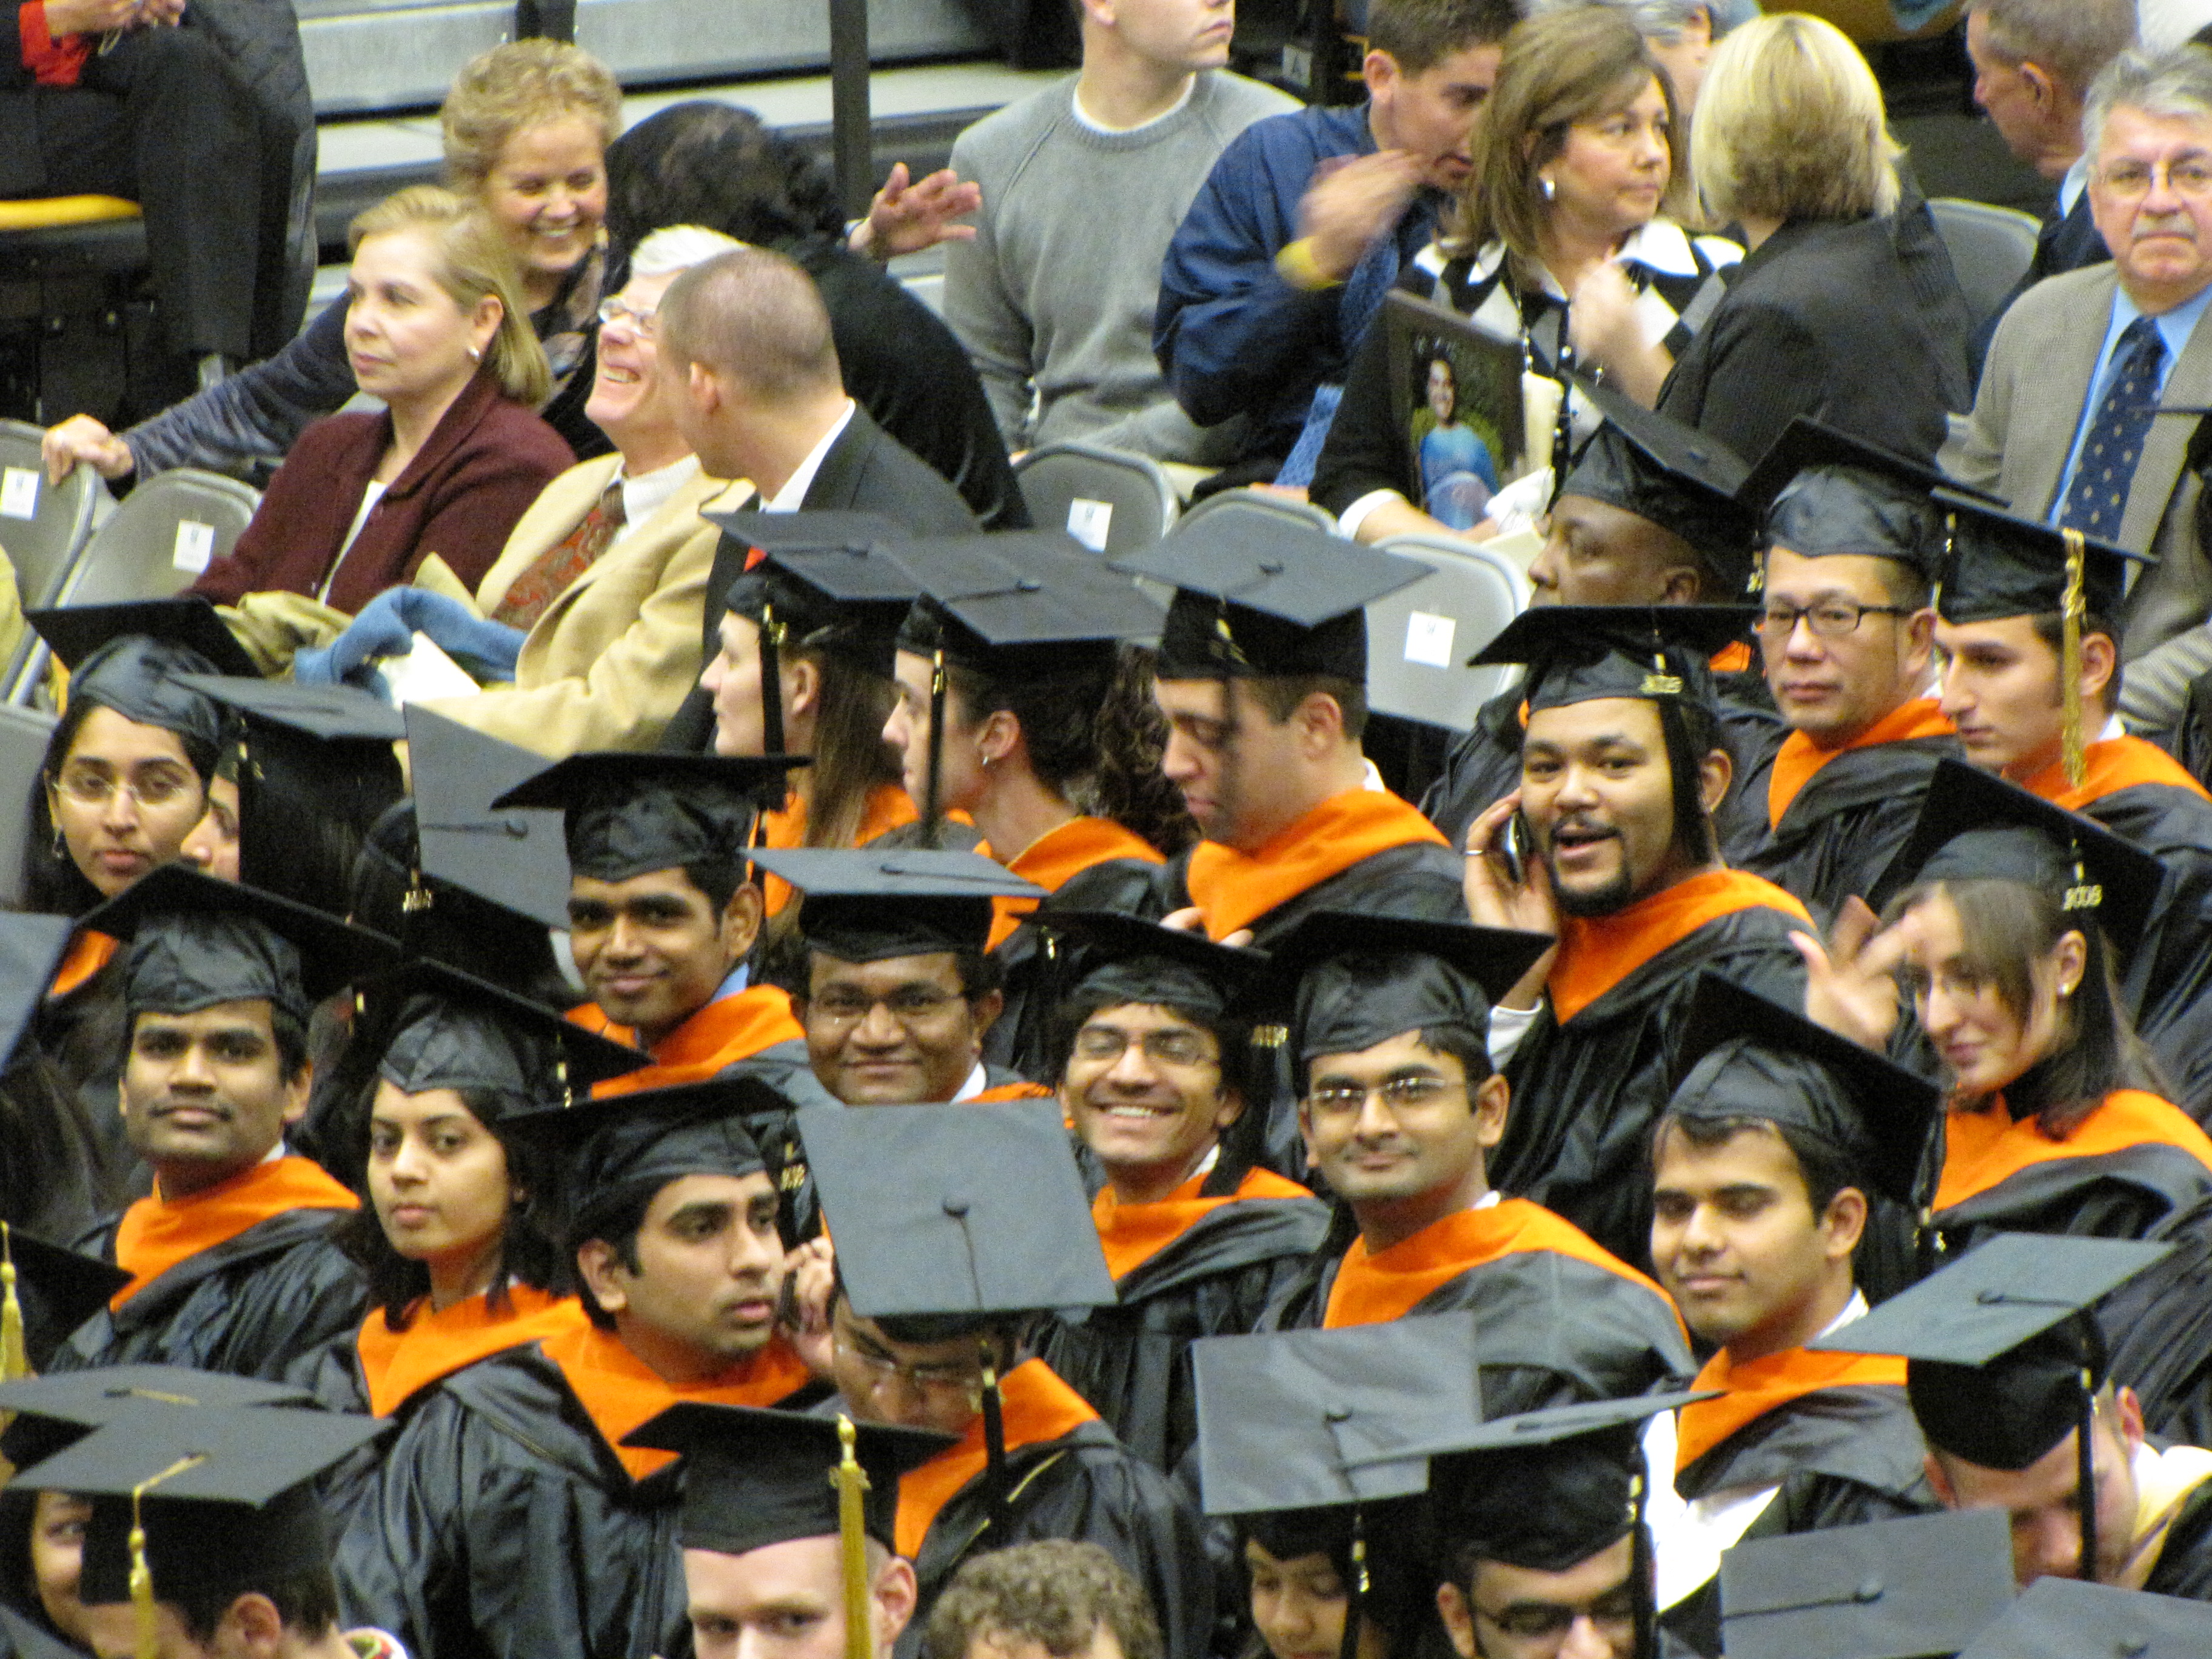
{"points": [[744, 339], [2033, 61]]}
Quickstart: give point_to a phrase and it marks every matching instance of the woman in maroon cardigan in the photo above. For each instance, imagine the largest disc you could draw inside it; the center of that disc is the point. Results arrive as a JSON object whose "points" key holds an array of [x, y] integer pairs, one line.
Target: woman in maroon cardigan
{"points": [[437, 331]]}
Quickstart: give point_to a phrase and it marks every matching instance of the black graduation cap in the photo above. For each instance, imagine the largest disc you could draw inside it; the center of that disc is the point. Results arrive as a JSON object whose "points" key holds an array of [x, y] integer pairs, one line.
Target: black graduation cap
{"points": [[1741, 1055], [1885, 1589], [951, 1211], [1261, 599], [329, 714], [196, 941], [1679, 478], [55, 1291], [629, 813], [75, 632], [824, 582], [754, 1477], [133, 659], [1129, 959], [1363, 979], [1304, 1420], [1824, 492], [515, 858], [615, 1149], [2069, 1619], [227, 1494], [2004, 565], [1973, 825], [1024, 603], [1580, 653], [48, 1414], [868, 904], [31, 948], [453, 1030]]}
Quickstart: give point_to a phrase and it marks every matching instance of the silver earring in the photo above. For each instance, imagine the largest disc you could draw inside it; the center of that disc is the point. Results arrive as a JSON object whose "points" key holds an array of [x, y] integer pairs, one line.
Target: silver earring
{"points": [[475, 355], [1548, 189]]}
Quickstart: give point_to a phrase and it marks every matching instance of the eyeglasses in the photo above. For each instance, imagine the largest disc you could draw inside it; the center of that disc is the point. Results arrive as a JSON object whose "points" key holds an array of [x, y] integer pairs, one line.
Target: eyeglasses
{"points": [[1534, 1620], [946, 1377], [910, 1005], [1183, 1049], [1831, 619], [1400, 1094], [613, 309], [2131, 179], [152, 786]]}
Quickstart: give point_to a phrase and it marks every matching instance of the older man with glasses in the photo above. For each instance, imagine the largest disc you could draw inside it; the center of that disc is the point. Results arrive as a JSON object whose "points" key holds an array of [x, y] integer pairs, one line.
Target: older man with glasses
{"points": [[2097, 379]]}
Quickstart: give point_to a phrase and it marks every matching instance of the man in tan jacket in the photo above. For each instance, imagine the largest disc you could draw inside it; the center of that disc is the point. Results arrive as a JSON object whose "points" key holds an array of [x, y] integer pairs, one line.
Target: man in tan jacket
{"points": [[608, 568]]}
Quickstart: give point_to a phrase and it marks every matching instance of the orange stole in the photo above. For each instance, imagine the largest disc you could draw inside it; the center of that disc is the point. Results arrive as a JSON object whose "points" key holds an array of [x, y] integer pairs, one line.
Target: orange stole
{"points": [[1037, 1407], [1233, 890], [1057, 855], [1984, 1147], [1133, 1234], [1020, 1089], [157, 1233], [1598, 952], [719, 1035], [1759, 1386], [621, 1393], [1734, 658], [1373, 1290], [1800, 758], [2115, 764], [888, 807], [399, 1364], [88, 952]]}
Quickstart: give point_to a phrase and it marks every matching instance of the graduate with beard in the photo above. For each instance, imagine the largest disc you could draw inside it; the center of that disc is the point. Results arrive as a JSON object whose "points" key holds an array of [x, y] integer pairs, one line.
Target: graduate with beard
{"points": [[1622, 763]]}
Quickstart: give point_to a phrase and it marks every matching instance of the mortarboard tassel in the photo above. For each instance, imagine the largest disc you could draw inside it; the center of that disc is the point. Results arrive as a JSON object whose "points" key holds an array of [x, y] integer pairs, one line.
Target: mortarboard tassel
{"points": [[771, 672], [148, 1642], [2085, 1474], [851, 1481], [1355, 1601], [994, 1445], [2069, 662], [929, 789], [14, 1358]]}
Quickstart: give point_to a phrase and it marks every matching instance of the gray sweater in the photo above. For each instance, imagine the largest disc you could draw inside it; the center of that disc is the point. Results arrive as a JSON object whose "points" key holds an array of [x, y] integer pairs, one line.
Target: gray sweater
{"points": [[1054, 297]]}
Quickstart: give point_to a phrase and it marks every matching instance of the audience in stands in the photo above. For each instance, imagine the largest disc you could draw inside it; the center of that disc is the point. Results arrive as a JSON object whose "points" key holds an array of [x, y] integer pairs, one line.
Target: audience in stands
{"points": [[2067, 422], [1282, 261], [1845, 308], [1084, 183], [433, 326], [526, 128], [1565, 236]]}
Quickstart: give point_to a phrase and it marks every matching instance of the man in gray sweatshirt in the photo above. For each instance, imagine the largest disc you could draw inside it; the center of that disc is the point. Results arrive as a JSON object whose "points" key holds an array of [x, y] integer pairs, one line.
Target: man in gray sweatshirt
{"points": [[1084, 183]]}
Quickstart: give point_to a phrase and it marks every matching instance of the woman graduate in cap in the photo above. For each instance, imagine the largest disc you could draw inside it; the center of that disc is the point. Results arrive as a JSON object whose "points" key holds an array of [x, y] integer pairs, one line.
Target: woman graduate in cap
{"points": [[2000, 918]]}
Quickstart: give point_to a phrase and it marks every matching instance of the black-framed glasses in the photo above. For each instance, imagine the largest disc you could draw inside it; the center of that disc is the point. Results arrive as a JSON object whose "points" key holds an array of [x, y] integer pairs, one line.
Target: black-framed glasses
{"points": [[1830, 619]]}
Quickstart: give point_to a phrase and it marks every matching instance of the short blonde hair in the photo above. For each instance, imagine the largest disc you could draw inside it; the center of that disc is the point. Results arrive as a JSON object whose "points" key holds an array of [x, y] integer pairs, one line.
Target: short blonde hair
{"points": [[519, 84], [1789, 126], [473, 260], [1556, 69]]}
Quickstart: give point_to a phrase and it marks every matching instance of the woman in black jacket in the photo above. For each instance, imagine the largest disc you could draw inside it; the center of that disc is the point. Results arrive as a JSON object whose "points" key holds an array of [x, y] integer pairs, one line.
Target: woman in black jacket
{"points": [[1846, 308]]}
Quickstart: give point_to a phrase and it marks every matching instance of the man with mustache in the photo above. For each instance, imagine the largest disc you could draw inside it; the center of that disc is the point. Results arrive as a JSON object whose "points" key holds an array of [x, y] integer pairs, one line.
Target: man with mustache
{"points": [[1621, 765], [2068, 425]]}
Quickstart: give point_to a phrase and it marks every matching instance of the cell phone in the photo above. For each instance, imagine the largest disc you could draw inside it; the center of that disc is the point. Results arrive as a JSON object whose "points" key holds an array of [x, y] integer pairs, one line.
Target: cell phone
{"points": [[1512, 846]]}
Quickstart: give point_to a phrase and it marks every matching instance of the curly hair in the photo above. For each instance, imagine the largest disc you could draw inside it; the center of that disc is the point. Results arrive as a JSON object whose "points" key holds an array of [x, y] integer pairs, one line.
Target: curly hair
{"points": [[1056, 1593], [519, 84]]}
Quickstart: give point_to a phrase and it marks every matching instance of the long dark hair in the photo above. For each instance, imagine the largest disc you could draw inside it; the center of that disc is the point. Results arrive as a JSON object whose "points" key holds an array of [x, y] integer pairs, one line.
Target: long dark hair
{"points": [[2005, 928], [714, 165]]}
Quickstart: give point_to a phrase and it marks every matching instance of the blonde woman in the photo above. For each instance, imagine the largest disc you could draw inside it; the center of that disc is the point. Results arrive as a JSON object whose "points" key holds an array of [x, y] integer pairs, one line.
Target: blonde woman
{"points": [[1846, 308], [434, 327], [526, 127]]}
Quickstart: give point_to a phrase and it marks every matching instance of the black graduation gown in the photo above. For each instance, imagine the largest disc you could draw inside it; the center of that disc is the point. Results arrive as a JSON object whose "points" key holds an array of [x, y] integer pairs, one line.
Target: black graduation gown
{"points": [[251, 1306], [1586, 1092], [1841, 830], [503, 1524], [21, 1639], [1020, 1039], [2137, 1192], [1085, 1486], [1842, 1456], [2184, 1566], [1132, 1361]]}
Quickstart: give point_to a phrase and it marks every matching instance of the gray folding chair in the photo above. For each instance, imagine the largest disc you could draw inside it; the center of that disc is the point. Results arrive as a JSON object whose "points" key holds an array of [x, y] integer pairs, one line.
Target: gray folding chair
{"points": [[43, 526], [23, 736], [1111, 501], [1281, 509], [1990, 248], [1419, 637], [166, 531]]}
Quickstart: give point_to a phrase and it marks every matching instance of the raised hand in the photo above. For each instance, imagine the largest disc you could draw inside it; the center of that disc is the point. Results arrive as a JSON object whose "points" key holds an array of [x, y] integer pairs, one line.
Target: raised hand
{"points": [[1850, 982], [908, 216]]}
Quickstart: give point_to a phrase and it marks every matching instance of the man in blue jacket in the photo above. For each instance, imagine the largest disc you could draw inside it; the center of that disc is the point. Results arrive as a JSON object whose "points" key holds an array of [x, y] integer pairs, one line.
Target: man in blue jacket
{"points": [[1285, 254]]}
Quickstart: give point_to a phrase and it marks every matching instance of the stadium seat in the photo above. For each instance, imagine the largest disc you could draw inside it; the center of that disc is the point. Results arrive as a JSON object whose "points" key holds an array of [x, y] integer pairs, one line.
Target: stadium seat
{"points": [[1419, 638], [1111, 501]]}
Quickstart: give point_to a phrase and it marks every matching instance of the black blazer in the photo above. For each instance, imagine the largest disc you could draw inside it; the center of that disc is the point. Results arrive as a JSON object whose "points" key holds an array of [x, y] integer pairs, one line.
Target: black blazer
{"points": [[1859, 323], [867, 470]]}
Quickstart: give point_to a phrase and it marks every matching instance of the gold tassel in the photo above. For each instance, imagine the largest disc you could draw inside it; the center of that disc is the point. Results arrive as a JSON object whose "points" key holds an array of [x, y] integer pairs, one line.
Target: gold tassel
{"points": [[2069, 663], [851, 1481], [148, 1644], [14, 1361]]}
